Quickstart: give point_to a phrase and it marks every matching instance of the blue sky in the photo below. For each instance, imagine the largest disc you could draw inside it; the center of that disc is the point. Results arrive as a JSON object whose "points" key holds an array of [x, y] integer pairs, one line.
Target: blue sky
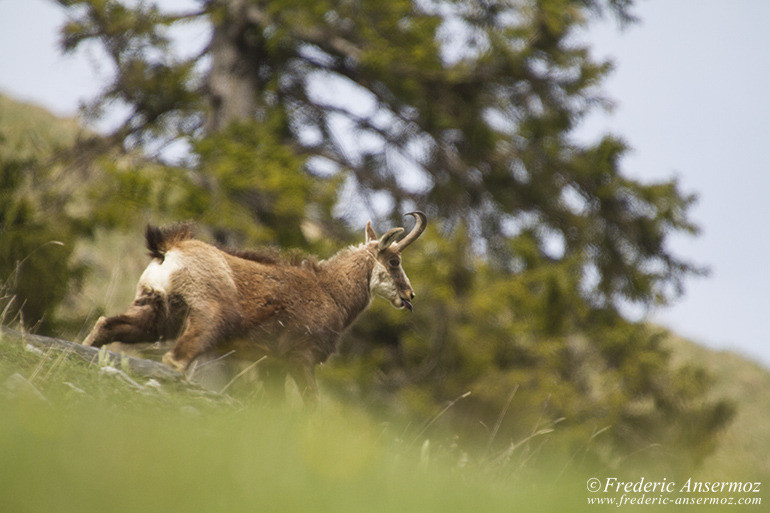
{"points": [[691, 85], [691, 90]]}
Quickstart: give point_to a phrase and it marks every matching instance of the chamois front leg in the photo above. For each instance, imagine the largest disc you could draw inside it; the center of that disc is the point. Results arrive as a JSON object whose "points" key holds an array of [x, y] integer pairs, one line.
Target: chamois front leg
{"points": [[97, 337]]}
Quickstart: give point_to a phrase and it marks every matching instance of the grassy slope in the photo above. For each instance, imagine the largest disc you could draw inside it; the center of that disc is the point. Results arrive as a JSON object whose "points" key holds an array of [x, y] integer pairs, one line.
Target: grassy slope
{"points": [[75, 439], [28, 130], [745, 448], [84, 441]]}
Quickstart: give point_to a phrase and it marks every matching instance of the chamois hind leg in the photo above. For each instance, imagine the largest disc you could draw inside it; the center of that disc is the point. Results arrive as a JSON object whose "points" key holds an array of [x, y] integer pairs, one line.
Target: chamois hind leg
{"points": [[140, 323], [272, 373], [303, 373], [200, 334]]}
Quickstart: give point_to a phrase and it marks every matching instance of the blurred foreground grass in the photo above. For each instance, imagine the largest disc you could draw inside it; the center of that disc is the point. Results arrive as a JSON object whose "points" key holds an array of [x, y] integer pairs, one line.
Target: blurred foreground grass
{"points": [[73, 438]]}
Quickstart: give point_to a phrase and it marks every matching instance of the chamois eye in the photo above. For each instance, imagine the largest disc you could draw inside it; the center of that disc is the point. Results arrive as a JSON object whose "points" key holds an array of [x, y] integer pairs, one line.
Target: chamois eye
{"points": [[395, 262]]}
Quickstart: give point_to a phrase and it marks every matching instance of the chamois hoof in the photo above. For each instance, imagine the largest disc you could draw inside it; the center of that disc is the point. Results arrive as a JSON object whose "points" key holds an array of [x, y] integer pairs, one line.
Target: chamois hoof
{"points": [[89, 340], [172, 362]]}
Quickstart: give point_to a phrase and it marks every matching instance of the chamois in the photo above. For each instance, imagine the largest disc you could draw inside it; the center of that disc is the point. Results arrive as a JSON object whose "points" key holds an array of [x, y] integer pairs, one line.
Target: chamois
{"points": [[209, 298]]}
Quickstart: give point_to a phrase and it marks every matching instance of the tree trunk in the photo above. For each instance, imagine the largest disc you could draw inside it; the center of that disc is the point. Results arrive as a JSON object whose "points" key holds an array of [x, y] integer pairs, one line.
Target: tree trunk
{"points": [[233, 82]]}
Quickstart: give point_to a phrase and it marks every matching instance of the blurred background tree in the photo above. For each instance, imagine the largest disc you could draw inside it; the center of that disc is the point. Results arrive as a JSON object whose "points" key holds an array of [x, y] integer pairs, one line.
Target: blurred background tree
{"points": [[465, 109], [298, 120], [40, 214]]}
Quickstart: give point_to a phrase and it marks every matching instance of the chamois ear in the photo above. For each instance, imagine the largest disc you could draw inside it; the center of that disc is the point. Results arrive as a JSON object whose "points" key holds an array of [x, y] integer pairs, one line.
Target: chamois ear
{"points": [[370, 233], [389, 238]]}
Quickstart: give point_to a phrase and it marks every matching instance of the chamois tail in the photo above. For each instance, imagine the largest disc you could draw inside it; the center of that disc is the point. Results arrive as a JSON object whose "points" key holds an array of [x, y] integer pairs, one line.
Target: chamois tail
{"points": [[160, 240]]}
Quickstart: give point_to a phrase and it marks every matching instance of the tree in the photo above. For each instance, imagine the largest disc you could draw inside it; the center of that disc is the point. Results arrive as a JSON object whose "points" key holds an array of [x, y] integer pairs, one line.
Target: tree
{"points": [[463, 108]]}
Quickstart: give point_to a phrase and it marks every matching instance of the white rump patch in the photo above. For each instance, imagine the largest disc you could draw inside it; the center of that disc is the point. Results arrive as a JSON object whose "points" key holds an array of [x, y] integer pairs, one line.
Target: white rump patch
{"points": [[157, 276]]}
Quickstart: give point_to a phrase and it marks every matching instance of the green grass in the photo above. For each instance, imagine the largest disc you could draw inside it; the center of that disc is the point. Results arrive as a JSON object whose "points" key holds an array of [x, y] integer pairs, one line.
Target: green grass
{"points": [[85, 441], [74, 439]]}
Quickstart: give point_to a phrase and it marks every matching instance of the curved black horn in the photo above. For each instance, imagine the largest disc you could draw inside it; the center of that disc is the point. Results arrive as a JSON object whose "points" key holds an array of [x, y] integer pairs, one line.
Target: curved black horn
{"points": [[421, 220]]}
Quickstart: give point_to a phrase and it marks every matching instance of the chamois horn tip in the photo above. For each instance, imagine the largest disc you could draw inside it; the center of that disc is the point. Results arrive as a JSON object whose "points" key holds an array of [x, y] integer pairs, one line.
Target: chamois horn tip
{"points": [[421, 221]]}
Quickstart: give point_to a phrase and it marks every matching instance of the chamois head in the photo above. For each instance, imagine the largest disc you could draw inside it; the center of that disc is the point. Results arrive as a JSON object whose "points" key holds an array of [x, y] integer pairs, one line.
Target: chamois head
{"points": [[388, 277]]}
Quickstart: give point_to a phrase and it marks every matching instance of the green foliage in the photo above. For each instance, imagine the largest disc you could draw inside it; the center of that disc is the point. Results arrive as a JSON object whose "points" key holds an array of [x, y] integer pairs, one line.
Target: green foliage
{"points": [[150, 80], [131, 191], [254, 190], [259, 185], [38, 226], [34, 259]]}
